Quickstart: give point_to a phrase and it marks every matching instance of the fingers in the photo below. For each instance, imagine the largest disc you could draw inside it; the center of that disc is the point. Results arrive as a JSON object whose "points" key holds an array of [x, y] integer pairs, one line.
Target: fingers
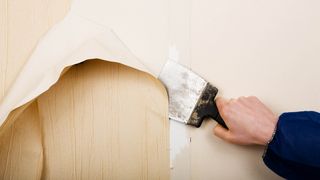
{"points": [[221, 132], [248, 119], [221, 102], [221, 105]]}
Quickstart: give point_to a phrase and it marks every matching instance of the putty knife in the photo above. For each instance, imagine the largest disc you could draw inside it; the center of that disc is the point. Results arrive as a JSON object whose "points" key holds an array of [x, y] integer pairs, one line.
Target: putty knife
{"points": [[191, 98]]}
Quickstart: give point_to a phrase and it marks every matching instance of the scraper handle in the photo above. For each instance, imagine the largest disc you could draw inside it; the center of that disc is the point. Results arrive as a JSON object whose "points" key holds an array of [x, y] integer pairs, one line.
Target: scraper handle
{"points": [[221, 121], [217, 117], [207, 107]]}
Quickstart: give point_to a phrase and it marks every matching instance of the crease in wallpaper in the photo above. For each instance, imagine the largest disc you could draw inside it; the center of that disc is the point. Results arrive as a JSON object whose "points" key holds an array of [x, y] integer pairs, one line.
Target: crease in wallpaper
{"points": [[96, 35], [95, 30], [62, 47], [82, 35]]}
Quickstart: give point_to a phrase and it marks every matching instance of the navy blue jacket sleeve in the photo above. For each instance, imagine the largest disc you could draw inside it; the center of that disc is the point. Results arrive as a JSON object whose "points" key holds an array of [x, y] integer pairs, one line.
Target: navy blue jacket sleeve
{"points": [[294, 151]]}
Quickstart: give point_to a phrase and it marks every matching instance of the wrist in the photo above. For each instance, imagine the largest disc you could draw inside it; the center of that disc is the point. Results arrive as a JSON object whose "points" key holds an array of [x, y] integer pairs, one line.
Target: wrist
{"points": [[266, 134]]}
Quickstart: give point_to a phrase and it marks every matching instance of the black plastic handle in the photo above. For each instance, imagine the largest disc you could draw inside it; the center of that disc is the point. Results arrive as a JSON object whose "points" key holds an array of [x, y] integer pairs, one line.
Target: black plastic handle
{"points": [[221, 121], [206, 107], [213, 112]]}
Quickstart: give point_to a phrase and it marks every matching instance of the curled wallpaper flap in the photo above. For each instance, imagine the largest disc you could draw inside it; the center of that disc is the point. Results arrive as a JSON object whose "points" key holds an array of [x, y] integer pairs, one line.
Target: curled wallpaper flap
{"points": [[71, 41]]}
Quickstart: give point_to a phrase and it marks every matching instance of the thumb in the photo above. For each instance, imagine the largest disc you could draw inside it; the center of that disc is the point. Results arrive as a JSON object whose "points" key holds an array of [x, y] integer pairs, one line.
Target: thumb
{"points": [[221, 132]]}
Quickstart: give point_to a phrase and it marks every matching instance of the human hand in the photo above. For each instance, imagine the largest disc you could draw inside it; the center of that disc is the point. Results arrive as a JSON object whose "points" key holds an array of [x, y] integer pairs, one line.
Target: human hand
{"points": [[248, 119]]}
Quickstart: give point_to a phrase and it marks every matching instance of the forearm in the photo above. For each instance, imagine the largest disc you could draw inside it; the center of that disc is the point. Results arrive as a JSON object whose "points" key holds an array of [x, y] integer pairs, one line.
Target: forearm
{"points": [[294, 151]]}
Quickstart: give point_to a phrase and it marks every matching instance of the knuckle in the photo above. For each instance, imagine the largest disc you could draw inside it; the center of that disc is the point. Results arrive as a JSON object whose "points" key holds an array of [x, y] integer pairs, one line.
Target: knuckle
{"points": [[242, 97], [232, 102], [252, 98]]}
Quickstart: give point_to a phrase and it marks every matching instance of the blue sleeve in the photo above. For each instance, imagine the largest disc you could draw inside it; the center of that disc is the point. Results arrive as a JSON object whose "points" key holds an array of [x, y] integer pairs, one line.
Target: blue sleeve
{"points": [[294, 151]]}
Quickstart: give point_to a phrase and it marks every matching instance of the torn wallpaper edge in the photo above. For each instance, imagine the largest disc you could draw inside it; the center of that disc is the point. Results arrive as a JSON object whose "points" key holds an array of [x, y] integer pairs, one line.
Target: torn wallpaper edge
{"points": [[71, 41]]}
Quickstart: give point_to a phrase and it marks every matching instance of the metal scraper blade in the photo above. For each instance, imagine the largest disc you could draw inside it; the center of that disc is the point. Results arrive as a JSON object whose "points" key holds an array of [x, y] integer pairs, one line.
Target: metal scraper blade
{"points": [[184, 89]]}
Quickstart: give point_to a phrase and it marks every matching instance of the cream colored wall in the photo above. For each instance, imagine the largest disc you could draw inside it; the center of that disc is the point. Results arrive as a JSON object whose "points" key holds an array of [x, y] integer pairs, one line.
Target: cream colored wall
{"points": [[265, 48]]}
